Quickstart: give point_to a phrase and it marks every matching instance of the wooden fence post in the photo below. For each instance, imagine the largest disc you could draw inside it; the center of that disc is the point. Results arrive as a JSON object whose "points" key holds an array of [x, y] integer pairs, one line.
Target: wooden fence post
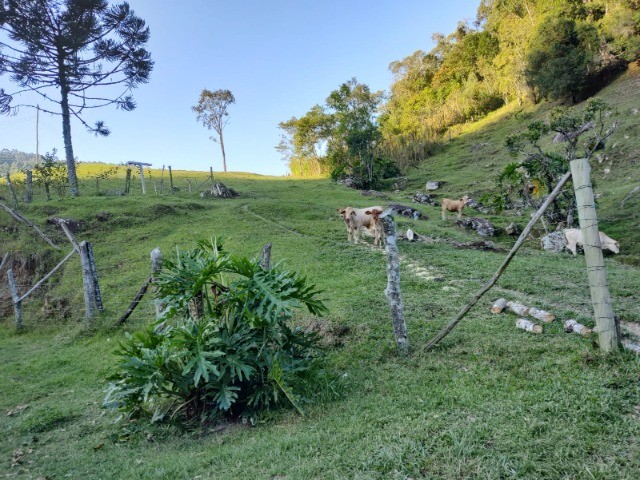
{"points": [[29, 192], [127, 182], [156, 268], [13, 192], [171, 180], [607, 333], [17, 304], [94, 277], [144, 190], [87, 282], [265, 261], [393, 282]]}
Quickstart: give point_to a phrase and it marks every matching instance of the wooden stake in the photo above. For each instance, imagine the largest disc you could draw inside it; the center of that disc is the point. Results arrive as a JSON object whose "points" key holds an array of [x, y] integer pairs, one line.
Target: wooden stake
{"points": [[265, 261], [392, 291], [523, 236], [17, 304], [171, 180], [127, 182], [156, 268], [608, 338], [94, 277], [135, 302], [144, 190], [87, 283]]}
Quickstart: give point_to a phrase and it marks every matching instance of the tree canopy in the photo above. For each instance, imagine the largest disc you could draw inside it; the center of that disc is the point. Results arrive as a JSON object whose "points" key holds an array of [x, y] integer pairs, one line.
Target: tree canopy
{"points": [[76, 54], [212, 112]]}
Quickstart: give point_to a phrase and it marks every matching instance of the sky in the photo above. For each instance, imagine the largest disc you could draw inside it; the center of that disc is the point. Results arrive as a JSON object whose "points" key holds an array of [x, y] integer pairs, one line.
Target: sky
{"points": [[279, 58]]}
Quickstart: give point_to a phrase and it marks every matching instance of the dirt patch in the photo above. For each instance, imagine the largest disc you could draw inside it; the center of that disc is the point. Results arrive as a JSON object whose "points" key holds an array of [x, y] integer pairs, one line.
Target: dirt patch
{"points": [[331, 335]]}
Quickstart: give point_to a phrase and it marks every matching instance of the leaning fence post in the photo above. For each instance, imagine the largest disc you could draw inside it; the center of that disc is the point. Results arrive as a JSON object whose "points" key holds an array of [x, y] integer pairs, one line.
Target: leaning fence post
{"points": [[393, 282], [156, 268], [171, 180], [11, 189], [94, 277], [87, 282], [17, 304], [607, 334]]}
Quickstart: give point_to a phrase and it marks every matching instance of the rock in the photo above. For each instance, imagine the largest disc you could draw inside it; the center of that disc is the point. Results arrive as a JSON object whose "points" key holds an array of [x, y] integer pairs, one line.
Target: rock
{"points": [[410, 235], [374, 193], [513, 229], [554, 242], [74, 226], [477, 206], [400, 184], [433, 186], [103, 216], [406, 211], [425, 199], [219, 190], [348, 181], [482, 227]]}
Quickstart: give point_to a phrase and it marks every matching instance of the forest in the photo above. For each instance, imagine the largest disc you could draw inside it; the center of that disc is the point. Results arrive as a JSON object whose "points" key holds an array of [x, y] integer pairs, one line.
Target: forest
{"points": [[521, 51]]}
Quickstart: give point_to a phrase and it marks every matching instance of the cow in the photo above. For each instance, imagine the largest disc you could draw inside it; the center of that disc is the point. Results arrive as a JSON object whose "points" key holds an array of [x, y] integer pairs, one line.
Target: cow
{"points": [[574, 237], [356, 218], [376, 224], [454, 205]]}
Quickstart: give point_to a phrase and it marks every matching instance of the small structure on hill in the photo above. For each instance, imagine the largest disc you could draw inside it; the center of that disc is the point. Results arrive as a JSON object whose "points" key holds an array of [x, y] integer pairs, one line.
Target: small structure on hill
{"points": [[139, 165]]}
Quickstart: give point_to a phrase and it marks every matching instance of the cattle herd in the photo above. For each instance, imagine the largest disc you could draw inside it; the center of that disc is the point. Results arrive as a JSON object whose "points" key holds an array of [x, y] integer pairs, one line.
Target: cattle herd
{"points": [[357, 219]]}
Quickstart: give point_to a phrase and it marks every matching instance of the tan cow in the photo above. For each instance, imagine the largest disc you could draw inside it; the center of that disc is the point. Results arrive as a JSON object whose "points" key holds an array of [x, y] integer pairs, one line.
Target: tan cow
{"points": [[355, 219], [574, 237], [453, 205], [376, 224]]}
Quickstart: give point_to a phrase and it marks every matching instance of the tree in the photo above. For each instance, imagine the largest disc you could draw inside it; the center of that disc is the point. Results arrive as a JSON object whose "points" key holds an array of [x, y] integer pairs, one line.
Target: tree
{"points": [[561, 57], [73, 47], [212, 113], [50, 173]]}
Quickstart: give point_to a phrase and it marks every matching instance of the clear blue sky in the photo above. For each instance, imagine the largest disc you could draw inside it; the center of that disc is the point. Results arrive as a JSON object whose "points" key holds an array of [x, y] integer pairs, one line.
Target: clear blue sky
{"points": [[278, 57]]}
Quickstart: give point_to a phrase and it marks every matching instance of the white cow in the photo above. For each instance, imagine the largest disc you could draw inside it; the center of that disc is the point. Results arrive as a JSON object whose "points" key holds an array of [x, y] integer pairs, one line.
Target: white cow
{"points": [[355, 219], [574, 237]]}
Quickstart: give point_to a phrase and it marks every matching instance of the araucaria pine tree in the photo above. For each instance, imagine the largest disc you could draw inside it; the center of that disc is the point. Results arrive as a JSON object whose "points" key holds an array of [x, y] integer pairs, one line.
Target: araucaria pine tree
{"points": [[77, 54]]}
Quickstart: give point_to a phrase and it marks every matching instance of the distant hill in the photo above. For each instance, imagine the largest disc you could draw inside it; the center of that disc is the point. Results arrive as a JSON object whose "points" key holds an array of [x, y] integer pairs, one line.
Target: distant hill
{"points": [[12, 161]]}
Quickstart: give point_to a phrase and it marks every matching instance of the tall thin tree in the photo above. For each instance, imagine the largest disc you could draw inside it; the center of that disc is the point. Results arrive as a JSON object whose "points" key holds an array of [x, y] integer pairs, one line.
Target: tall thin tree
{"points": [[212, 112], [76, 48]]}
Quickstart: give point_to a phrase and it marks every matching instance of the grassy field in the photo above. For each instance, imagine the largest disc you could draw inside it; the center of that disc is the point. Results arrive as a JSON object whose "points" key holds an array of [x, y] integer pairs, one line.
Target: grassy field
{"points": [[490, 402]]}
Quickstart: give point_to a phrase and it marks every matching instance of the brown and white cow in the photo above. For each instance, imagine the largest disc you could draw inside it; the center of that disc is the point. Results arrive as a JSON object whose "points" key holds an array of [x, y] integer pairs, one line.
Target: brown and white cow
{"points": [[356, 219], [574, 237]]}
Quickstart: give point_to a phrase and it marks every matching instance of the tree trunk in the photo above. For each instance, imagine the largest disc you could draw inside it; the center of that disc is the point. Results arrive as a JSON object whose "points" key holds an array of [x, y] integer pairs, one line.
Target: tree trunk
{"points": [[68, 146], [224, 156]]}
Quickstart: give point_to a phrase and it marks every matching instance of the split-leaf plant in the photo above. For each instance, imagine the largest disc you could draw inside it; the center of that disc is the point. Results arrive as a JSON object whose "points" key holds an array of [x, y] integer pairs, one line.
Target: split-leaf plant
{"points": [[224, 347]]}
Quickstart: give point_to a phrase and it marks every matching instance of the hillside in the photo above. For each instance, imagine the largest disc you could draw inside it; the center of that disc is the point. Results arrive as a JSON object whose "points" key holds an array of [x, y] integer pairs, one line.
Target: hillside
{"points": [[490, 402]]}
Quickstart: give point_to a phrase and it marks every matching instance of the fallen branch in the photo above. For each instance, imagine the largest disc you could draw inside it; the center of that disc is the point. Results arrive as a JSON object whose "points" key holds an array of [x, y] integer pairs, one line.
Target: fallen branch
{"points": [[523, 236], [15, 214]]}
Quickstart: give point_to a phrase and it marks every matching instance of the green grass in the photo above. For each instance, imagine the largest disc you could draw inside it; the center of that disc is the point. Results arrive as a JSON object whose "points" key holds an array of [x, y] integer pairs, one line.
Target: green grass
{"points": [[489, 402]]}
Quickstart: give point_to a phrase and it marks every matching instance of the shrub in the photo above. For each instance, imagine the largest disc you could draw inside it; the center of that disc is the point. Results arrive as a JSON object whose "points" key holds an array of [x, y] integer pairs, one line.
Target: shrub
{"points": [[224, 347]]}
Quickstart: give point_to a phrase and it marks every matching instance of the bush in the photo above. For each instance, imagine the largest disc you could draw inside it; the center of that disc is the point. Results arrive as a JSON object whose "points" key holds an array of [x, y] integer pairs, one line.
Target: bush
{"points": [[223, 348]]}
